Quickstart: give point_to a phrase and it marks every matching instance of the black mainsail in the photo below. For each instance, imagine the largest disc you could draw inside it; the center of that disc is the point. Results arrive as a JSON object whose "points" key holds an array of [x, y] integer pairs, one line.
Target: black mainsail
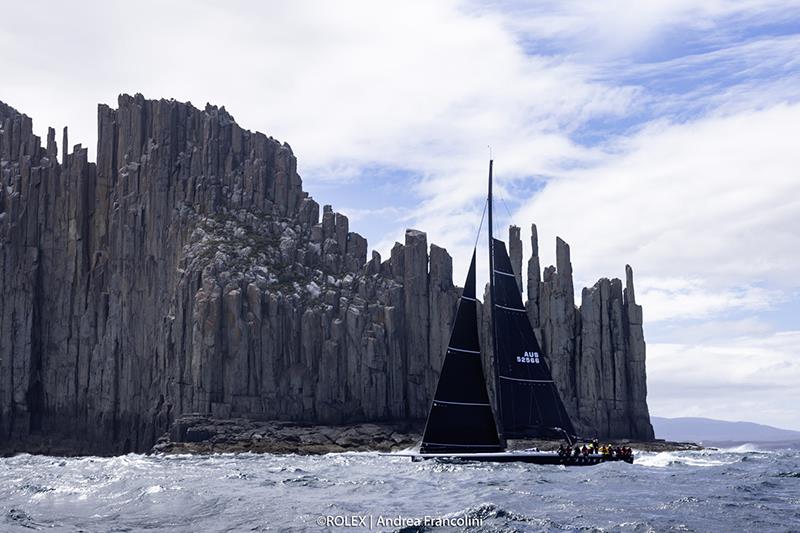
{"points": [[530, 405], [461, 419]]}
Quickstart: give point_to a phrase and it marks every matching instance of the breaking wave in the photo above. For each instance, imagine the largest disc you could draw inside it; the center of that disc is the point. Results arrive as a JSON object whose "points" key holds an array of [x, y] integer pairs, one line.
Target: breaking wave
{"points": [[685, 458]]}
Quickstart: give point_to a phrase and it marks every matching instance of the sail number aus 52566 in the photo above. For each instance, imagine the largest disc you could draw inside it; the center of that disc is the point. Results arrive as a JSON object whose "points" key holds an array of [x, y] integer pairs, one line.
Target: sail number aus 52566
{"points": [[528, 357]]}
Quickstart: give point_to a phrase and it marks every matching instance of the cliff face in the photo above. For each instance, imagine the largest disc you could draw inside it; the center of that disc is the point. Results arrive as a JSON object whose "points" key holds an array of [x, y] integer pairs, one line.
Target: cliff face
{"points": [[187, 271]]}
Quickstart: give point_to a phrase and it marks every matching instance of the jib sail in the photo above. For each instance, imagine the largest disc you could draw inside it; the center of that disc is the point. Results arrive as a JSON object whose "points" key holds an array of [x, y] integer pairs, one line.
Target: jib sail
{"points": [[461, 419]]}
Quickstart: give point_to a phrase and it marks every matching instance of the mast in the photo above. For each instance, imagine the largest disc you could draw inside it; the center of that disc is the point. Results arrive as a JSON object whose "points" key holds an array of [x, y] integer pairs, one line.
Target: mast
{"points": [[495, 357]]}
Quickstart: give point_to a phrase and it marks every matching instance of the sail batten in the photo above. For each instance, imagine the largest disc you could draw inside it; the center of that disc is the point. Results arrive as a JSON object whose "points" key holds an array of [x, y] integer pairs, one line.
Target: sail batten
{"points": [[528, 380], [517, 309], [463, 403], [461, 417], [462, 350]]}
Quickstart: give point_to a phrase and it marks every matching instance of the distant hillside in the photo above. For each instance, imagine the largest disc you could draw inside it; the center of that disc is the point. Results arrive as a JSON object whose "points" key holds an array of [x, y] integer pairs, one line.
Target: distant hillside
{"points": [[710, 430]]}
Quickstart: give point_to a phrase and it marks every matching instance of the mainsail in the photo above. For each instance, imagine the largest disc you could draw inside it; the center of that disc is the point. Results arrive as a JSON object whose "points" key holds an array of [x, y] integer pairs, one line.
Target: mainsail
{"points": [[530, 405], [461, 419]]}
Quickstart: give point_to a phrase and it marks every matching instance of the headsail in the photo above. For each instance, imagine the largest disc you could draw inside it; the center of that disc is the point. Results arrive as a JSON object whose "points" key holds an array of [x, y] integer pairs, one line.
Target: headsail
{"points": [[530, 405], [461, 419]]}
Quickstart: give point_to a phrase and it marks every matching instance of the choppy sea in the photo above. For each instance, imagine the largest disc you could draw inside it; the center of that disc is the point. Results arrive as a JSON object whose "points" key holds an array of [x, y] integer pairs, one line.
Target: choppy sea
{"points": [[735, 489]]}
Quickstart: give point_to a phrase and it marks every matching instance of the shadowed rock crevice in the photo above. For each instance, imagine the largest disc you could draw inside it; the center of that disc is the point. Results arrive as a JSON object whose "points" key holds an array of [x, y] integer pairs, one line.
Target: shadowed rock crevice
{"points": [[187, 271]]}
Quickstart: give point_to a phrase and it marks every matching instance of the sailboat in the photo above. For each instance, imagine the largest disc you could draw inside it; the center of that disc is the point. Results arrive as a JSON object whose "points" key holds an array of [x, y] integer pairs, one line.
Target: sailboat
{"points": [[461, 424]]}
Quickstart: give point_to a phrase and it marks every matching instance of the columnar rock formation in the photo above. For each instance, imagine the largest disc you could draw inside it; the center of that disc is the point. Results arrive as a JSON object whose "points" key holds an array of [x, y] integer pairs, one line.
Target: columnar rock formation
{"points": [[596, 351], [187, 271]]}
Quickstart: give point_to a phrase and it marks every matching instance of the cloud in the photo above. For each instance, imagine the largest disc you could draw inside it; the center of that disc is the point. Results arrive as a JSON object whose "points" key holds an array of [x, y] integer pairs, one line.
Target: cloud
{"points": [[632, 28], [750, 377], [715, 198], [740, 77], [358, 215], [710, 330], [681, 298]]}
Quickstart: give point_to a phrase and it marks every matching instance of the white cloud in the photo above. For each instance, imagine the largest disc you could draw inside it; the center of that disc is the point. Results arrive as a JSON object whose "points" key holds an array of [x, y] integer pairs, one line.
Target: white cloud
{"points": [[742, 378], [710, 330], [631, 27], [361, 215], [682, 298], [714, 199]]}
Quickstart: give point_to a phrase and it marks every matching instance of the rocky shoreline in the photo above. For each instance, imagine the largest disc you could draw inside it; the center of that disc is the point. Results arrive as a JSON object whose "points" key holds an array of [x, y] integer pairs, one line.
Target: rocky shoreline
{"points": [[203, 434]]}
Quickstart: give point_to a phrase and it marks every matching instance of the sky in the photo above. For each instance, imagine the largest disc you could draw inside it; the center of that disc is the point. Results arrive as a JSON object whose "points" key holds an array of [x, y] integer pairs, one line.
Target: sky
{"points": [[661, 134]]}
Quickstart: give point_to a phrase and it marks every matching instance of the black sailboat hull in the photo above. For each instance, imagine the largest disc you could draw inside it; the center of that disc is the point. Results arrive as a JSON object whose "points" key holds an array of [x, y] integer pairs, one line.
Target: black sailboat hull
{"points": [[540, 458]]}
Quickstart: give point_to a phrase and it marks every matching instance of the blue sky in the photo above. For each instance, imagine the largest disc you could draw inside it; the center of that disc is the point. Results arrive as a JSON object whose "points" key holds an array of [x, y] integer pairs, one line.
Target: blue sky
{"points": [[663, 134]]}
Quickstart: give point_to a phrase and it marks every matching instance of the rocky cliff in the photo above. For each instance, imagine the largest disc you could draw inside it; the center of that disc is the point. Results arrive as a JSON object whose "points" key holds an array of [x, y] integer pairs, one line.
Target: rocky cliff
{"points": [[187, 271], [596, 351]]}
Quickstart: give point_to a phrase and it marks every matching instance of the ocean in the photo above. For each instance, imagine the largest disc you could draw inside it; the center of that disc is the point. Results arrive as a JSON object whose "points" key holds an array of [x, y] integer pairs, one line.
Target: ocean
{"points": [[736, 489]]}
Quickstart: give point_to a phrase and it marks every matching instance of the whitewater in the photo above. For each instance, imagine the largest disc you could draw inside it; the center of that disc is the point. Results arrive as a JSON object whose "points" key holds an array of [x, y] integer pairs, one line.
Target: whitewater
{"points": [[736, 489]]}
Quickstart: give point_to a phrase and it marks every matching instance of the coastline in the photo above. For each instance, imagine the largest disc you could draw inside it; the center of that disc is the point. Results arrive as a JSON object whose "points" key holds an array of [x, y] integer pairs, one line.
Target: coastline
{"points": [[203, 434]]}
